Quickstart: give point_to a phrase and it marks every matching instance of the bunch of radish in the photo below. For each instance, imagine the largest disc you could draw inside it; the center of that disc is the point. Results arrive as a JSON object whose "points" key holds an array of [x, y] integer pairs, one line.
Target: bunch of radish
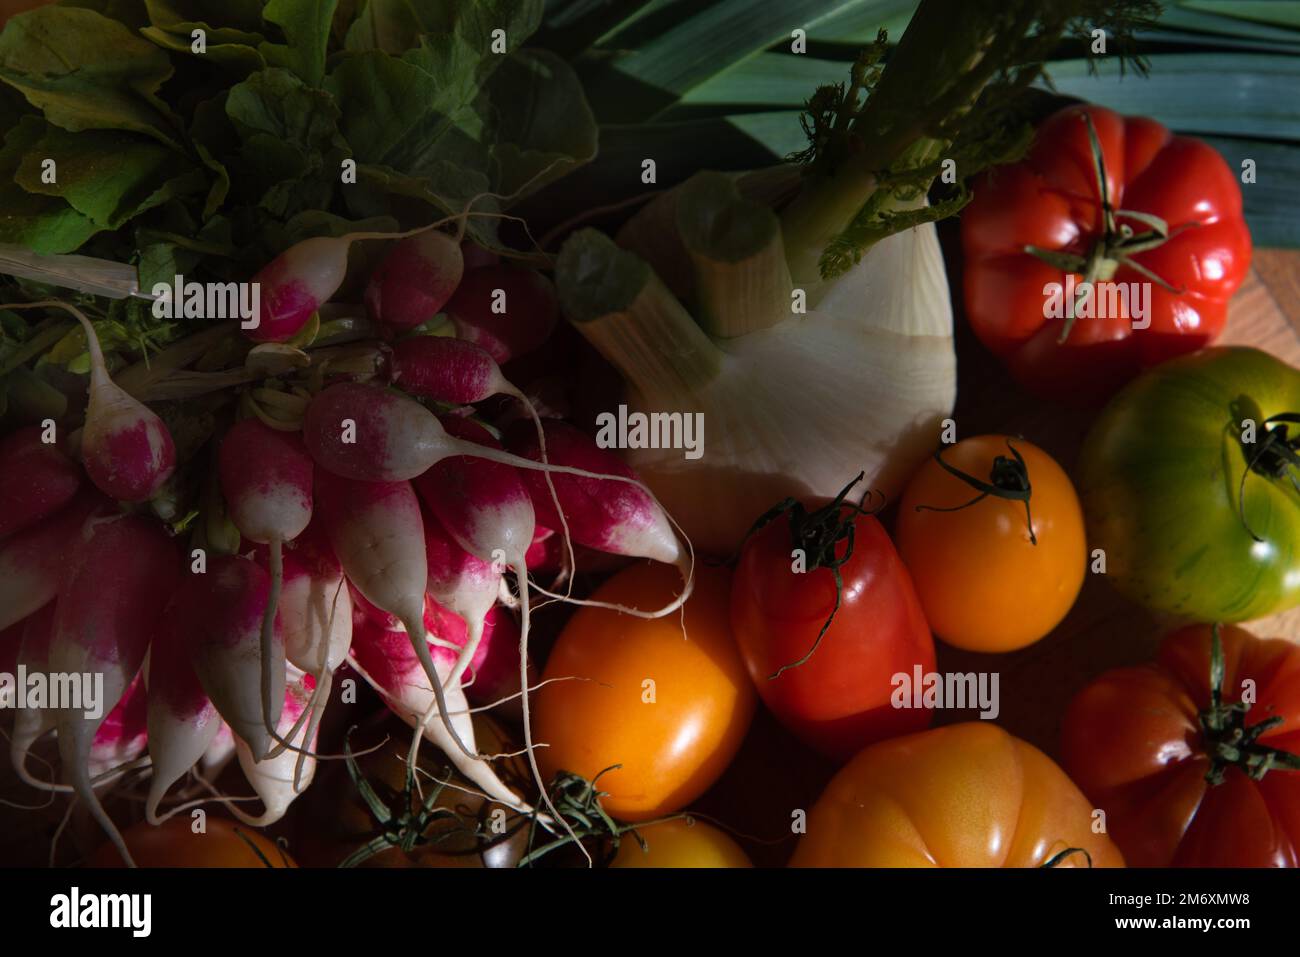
{"points": [[391, 534]]}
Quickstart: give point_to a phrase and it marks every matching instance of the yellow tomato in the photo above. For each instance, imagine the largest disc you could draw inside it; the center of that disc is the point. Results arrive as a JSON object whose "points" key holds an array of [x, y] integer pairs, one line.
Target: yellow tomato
{"points": [[966, 795], [984, 583], [681, 842], [671, 709]]}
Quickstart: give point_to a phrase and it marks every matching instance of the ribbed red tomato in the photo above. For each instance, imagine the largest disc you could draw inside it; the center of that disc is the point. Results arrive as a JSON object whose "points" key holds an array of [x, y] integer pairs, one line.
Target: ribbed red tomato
{"points": [[1176, 231], [1184, 782]]}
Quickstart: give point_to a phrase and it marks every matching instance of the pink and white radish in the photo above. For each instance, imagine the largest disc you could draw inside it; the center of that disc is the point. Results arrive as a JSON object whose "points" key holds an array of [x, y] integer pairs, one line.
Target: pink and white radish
{"points": [[317, 609], [126, 449], [385, 658], [316, 621], [414, 281], [462, 583], [266, 478], [377, 532], [36, 479], [448, 370], [619, 518], [492, 668], [118, 742], [366, 433], [493, 673], [280, 779], [459, 373], [293, 285], [369, 434], [488, 513], [507, 310], [182, 720], [107, 612], [296, 283], [226, 647], [486, 509], [123, 736], [33, 561]]}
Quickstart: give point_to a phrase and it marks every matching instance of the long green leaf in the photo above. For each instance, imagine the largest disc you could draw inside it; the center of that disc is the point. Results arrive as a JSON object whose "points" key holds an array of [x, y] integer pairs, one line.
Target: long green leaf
{"points": [[632, 85], [1156, 40], [768, 79], [1278, 14], [1214, 26], [1210, 94], [858, 26]]}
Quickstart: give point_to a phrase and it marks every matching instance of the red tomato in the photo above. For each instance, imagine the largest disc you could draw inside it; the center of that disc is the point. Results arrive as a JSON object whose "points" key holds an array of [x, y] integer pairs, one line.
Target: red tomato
{"points": [[1141, 742], [838, 700], [1051, 200]]}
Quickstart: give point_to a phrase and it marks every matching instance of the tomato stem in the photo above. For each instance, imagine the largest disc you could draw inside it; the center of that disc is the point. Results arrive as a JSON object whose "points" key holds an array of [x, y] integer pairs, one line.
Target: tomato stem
{"points": [[1275, 459], [1008, 479], [1116, 245], [579, 801], [1057, 859], [817, 534], [1230, 742], [406, 827]]}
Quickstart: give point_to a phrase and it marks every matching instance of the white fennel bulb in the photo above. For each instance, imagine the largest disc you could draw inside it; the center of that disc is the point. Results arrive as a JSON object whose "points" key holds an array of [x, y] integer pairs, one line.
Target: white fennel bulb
{"points": [[797, 407]]}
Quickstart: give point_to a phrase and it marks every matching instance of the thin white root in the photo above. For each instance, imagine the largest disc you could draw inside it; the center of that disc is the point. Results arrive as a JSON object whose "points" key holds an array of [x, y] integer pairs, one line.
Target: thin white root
{"points": [[473, 636], [521, 574], [320, 697], [85, 792], [415, 630], [476, 770], [570, 561]]}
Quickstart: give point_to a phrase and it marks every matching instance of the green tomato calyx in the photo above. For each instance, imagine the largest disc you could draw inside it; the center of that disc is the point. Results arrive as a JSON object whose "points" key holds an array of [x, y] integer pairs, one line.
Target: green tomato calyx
{"points": [[1008, 479], [1229, 741], [1273, 458], [1115, 246], [817, 536]]}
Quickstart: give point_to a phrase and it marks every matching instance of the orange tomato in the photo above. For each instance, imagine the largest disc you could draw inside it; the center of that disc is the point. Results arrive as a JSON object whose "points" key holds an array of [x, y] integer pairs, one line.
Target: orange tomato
{"points": [[682, 842], [670, 709], [984, 583], [173, 843], [966, 795]]}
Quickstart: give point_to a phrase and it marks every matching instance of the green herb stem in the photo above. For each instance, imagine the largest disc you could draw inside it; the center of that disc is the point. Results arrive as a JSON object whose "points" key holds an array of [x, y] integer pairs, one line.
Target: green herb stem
{"points": [[938, 84]]}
